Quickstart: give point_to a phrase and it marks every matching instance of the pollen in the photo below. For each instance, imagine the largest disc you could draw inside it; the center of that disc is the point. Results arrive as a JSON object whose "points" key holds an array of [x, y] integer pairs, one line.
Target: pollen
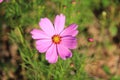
{"points": [[56, 39]]}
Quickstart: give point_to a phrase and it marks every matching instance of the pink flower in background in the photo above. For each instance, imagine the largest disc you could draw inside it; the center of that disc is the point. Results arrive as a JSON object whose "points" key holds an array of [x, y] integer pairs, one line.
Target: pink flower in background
{"points": [[1, 1], [54, 39]]}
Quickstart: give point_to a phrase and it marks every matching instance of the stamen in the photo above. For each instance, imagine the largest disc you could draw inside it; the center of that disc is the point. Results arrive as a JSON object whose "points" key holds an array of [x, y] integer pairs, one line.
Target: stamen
{"points": [[56, 39]]}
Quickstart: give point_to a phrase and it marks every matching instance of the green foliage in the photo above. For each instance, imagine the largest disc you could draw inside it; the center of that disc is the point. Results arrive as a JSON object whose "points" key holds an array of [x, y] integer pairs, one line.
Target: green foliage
{"points": [[113, 30], [23, 12], [115, 78], [106, 3], [106, 69]]}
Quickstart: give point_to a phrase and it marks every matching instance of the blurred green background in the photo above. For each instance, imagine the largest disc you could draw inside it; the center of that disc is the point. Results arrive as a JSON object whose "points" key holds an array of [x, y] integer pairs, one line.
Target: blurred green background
{"points": [[97, 60]]}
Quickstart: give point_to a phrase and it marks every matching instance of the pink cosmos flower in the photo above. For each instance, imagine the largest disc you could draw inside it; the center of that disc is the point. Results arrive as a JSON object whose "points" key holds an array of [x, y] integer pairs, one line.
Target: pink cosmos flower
{"points": [[54, 39], [1, 1]]}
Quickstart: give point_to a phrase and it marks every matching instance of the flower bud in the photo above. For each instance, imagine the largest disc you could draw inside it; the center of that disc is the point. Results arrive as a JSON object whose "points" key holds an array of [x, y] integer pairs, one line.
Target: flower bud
{"points": [[90, 39]]}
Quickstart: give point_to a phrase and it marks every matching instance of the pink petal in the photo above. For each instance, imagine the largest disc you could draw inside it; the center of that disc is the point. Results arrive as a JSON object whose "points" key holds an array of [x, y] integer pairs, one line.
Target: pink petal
{"points": [[59, 23], [39, 34], [64, 52], [51, 54], [47, 26], [43, 45], [69, 42], [73, 26], [1, 1], [70, 30]]}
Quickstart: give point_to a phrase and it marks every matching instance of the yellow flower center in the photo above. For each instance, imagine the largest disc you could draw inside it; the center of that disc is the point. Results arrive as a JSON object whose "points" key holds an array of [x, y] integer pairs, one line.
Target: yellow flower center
{"points": [[56, 39]]}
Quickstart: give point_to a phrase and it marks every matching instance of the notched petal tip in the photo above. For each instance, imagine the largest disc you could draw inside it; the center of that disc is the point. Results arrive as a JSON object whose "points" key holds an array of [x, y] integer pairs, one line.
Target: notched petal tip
{"points": [[70, 30], [75, 33], [59, 23], [47, 26], [73, 26], [34, 31], [41, 20], [52, 62], [69, 56], [62, 15]]}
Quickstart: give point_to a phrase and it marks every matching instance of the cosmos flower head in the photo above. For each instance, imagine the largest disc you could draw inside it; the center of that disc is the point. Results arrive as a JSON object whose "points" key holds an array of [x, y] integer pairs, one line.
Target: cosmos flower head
{"points": [[54, 39]]}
